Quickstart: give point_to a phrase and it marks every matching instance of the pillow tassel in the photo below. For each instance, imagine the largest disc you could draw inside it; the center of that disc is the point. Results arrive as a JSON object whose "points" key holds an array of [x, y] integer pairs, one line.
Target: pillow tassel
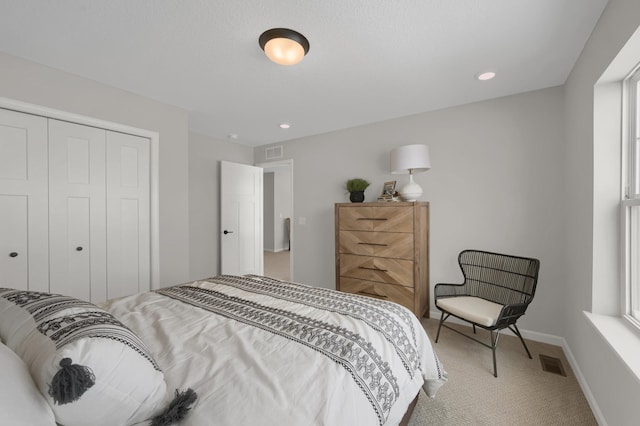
{"points": [[70, 382], [177, 409]]}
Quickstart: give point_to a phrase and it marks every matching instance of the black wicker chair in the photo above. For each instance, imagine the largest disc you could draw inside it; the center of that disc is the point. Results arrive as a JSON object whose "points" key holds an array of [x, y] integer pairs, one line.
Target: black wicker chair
{"points": [[496, 291]]}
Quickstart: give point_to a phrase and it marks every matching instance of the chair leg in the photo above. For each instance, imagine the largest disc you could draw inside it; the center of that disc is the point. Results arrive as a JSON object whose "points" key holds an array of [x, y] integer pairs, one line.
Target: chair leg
{"points": [[442, 318], [474, 329], [522, 340], [494, 343]]}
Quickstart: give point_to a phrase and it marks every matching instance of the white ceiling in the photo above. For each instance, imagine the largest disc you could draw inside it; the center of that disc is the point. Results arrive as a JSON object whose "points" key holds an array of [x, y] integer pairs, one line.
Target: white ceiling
{"points": [[370, 60]]}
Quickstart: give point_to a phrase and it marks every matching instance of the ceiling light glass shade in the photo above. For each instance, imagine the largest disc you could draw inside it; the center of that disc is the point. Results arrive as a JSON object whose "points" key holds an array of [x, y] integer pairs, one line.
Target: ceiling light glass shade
{"points": [[410, 159], [284, 46]]}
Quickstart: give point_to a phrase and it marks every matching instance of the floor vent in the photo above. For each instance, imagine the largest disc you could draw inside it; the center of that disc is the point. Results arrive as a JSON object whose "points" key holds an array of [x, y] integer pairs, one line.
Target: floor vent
{"points": [[552, 365]]}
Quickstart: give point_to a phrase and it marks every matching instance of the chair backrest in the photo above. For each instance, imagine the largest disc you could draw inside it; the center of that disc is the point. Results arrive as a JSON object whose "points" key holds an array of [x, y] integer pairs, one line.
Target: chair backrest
{"points": [[500, 278]]}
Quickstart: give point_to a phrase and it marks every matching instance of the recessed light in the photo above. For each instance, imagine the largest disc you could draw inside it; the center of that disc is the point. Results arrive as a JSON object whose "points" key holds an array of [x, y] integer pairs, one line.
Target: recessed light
{"points": [[484, 76], [285, 125]]}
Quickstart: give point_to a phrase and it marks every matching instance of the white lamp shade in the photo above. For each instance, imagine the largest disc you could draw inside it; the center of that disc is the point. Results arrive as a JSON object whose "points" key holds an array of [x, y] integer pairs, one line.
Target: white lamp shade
{"points": [[410, 159]]}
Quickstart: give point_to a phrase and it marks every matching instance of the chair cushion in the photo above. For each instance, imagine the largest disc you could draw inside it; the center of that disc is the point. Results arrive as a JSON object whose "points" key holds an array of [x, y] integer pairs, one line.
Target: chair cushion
{"points": [[473, 309]]}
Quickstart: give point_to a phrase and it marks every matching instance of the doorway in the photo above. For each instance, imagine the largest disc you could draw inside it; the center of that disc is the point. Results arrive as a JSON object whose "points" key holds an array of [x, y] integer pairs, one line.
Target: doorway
{"points": [[278, 218]]}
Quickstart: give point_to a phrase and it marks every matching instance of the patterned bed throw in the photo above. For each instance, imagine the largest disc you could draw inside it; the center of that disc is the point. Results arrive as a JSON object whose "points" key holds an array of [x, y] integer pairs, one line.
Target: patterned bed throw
{"points": [[263, 351]]}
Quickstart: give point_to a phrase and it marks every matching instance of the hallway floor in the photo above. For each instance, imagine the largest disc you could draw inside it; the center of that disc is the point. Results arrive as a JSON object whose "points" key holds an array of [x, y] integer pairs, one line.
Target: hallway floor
{"points": [[277, 265]]}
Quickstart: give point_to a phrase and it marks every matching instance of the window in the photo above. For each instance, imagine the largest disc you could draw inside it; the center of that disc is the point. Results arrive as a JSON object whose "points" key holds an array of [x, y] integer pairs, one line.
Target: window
{"points": [[630, 204]]}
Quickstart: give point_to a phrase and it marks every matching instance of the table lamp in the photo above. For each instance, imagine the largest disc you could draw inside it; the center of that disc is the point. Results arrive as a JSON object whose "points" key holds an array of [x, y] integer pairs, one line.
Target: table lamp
{"points": [[410, 159]]}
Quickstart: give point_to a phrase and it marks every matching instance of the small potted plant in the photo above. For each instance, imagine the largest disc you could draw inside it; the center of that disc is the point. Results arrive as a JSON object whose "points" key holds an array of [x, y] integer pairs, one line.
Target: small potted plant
{"points": [[356, 189]]}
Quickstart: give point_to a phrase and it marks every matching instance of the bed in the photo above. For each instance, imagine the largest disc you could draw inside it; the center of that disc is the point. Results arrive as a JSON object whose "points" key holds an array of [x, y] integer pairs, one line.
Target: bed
{"points": [[257, 350]]}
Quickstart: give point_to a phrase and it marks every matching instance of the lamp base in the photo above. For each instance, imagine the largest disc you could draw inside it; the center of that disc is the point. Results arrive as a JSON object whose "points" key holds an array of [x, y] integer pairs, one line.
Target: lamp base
{"points": [[411, 191]]}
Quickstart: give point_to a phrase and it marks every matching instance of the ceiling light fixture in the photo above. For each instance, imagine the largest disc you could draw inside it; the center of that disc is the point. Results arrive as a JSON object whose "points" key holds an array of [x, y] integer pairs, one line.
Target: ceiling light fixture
{"points": [[284, 46], [285, 125], [484, 76]]}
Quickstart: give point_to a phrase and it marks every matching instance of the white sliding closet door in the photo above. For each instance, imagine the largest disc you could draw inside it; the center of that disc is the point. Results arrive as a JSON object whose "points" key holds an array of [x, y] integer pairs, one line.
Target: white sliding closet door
{"points": [[77, 211], [128, 252], [23, 201], [74, 208]]}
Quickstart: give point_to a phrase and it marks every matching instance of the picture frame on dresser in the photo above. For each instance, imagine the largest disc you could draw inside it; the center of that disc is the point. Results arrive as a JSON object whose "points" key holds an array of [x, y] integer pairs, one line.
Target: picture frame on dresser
{"points": [[382, 251], [389, 188]]}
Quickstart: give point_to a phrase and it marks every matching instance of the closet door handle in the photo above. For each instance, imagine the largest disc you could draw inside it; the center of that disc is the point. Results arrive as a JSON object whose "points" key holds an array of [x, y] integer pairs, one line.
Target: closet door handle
{"points": [[227, 232], [13, 254], [79, 248]]}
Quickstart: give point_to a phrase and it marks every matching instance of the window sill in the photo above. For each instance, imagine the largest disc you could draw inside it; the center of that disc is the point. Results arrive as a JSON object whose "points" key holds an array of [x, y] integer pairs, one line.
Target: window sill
{"points": [[624, 341]]}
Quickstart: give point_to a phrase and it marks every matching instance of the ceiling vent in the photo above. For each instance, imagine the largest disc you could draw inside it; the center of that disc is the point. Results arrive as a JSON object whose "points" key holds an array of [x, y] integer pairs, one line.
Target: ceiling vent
{"points": [[273, 153]]}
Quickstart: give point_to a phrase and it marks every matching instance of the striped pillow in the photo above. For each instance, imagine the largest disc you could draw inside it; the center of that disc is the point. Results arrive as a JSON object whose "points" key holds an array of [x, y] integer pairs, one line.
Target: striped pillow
{"points": [[88, 365]]}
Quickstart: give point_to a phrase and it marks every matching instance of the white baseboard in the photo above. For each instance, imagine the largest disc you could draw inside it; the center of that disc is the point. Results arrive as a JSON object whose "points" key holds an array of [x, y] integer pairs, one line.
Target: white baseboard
{"points": [[583, 384], [557, 341]]}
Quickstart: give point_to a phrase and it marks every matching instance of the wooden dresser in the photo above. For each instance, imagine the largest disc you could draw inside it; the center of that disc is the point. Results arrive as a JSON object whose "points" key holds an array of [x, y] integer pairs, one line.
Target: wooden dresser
{"points": [[382, 251]]}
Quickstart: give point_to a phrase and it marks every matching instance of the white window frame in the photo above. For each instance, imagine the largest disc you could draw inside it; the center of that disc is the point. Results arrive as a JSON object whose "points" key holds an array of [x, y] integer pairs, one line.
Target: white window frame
{"points": [[630, 199]]}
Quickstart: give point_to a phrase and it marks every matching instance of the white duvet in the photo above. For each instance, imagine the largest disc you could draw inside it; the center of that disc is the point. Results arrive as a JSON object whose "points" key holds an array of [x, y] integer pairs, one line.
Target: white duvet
{"points": [[260, 351]]}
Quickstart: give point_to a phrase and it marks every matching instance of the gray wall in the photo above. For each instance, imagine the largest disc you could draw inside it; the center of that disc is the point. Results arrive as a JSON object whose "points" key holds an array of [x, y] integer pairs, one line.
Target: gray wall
{"points": [[32, 83], [494, 185], [205, 154], [592, 173]]}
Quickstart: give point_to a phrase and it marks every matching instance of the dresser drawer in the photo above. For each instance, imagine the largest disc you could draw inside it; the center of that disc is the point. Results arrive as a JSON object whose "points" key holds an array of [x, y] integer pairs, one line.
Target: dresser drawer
{"points": [[393, 293], [395, 219], [396, 245], [381, 269]]}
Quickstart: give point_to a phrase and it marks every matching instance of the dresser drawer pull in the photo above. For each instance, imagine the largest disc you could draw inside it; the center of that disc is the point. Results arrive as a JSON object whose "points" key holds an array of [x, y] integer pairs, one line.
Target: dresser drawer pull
{"points": [[377, 296], [372, 218], [374, 244], [373, 269]]}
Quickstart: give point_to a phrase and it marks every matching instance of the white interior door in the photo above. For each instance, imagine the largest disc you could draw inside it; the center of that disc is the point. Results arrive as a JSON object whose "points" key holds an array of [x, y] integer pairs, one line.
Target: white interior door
{"points": [[23, 202], [241, 219], [128, 230], [77, 209]]}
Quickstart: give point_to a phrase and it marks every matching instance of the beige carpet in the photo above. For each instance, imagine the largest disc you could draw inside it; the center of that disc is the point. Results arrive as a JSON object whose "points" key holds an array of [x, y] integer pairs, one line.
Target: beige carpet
{"points": [[522, 394]]}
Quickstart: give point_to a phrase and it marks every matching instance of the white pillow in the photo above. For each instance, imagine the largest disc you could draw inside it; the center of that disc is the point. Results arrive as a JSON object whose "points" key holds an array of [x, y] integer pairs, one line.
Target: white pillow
{"points": [[21, 403], [123, 384]]}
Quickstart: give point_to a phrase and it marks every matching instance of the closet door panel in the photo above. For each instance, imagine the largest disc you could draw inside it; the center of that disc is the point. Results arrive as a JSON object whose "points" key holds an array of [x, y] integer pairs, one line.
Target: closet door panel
{"points": [[14, 227], [77, 210], [13, 153], [23, 201], [77, 250], [128, 250]]}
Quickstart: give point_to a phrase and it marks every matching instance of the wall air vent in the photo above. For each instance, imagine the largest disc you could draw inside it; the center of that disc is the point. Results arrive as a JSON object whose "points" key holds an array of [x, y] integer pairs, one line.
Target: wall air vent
{"points": [[273, 153]]}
